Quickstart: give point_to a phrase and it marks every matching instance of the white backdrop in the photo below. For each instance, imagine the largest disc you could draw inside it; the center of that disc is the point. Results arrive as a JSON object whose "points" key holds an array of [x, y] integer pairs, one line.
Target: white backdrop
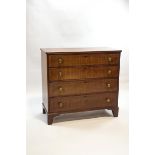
{"points": [[74, 23]]}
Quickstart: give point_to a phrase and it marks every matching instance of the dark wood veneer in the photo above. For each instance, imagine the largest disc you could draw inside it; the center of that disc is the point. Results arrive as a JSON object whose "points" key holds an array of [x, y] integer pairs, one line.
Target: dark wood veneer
{"points": [[82, 102], [83, 72], [62, 88], [79, 79], [82, 59]]}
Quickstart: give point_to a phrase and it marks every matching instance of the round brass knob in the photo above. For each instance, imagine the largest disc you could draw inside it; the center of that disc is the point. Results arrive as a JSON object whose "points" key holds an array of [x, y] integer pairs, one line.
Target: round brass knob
{"points": [[108, 85], [60, 89], [60, 104], [109, 71], [60, 61], [108, 100], [109, 59]]}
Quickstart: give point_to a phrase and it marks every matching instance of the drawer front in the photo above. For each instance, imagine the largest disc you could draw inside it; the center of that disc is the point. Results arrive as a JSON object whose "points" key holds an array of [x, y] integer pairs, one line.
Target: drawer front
{"points": [[83, 72], [86, 102], [82, 87], [82, 59]]}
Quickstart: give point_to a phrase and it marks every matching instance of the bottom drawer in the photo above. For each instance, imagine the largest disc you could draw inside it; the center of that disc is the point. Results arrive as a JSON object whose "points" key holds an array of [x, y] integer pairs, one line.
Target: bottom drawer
{"points": [[83, 102]]}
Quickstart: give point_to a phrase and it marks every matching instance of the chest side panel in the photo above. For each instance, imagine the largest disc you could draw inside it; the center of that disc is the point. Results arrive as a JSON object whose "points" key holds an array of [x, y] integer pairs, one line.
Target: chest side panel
{"points": [[44, 79]]}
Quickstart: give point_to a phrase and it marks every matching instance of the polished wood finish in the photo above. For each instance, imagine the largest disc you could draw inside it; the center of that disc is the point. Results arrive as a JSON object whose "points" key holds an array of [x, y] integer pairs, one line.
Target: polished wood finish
{"points": [[82, 59], [67, 51], [79, 79], [62, 88], [85, 72], [82, 102], [44, 79]]}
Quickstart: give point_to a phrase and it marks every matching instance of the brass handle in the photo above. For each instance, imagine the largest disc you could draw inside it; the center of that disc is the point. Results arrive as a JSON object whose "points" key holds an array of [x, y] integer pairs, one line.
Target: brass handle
{"points": [[60, 74], [60, 61], [108, 85], [108, 100], [60, 89], [109, 71], [109, 59], [60, 104]]}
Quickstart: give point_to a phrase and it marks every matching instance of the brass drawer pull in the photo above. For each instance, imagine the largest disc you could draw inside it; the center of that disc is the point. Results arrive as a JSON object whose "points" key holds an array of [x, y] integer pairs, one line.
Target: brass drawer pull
{"points": [[109, 59], [109, 71], [60, 74], [60, 61], [60, 89], [108, 85], [108, 100], [60, 104]]}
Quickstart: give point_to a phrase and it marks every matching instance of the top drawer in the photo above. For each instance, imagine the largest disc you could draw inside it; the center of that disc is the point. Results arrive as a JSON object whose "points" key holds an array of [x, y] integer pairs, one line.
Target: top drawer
{"points": [[82, 59]]}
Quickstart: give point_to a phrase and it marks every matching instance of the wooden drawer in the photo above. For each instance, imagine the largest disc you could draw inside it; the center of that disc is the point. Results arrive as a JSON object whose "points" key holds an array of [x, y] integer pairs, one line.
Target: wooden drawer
{"points": [[69, 73], [82, 87], [85, 102], [79, 79], [82, 59]]}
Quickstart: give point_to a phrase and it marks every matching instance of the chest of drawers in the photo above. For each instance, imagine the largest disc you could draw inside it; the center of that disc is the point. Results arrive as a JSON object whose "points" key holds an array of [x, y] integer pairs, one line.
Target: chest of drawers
{"points": [[79, 79]]}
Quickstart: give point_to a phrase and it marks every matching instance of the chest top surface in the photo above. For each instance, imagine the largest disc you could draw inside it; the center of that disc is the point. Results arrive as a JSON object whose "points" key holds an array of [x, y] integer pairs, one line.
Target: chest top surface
{"points": [[79, 50]]}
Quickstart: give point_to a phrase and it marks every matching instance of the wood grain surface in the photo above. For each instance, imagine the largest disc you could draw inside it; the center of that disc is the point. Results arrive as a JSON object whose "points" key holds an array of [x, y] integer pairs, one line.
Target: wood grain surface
{"points": [[79, 79], [82, 87]]}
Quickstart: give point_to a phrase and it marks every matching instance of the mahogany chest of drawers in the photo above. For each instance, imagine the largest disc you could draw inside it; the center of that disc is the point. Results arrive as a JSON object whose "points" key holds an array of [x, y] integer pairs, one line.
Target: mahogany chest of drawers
{"points": [[79, 79]]}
